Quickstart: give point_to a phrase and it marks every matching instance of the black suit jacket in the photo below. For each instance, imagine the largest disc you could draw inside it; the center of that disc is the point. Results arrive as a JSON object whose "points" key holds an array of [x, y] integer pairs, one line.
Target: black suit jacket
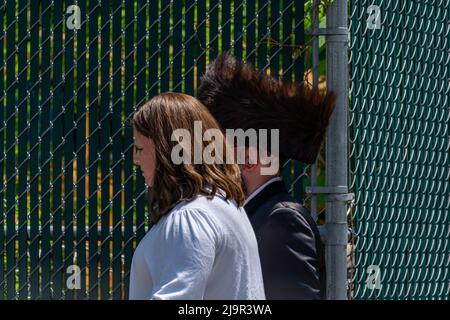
{"points": [[290, 248]]}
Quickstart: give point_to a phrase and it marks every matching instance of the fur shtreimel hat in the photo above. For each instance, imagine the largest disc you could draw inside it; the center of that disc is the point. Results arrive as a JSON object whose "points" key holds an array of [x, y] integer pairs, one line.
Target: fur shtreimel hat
{"points": [[239, 96]]}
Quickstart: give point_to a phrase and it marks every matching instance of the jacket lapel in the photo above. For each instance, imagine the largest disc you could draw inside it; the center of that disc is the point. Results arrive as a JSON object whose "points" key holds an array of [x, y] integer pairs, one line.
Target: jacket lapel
{"points": [[263, 197]]}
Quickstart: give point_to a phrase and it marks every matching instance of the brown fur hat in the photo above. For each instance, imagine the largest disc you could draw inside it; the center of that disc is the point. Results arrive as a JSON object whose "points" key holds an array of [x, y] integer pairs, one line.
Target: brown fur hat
{"points": [[239, 96]]}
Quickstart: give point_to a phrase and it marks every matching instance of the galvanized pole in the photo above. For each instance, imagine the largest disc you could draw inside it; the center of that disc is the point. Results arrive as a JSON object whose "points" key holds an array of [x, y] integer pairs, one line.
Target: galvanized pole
{"points": [[315, 76], [336, 151]]}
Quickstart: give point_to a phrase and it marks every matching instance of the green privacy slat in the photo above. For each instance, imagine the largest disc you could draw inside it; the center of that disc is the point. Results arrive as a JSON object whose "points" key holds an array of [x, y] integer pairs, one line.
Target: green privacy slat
{"points": [[81, 142], [33, 273], [416, 188], [177, 17], [298, 70], [45, 156], [190, 44], [153, 49], [287, 73], [22, 162], [2, 168], [278, 53], [250, 28], [238, 34], [117, 147], [213, 12], [93, 257], [69, 133], [226, 25], [299, 36], [128, 141], [201, 45], [375, 193], [274, 36], [286, 165], [261, 39], [57, 150], [165, 68], [140, 25], [11, 157], [140, 99], [364, 147], [287, 17], [105, 148]]}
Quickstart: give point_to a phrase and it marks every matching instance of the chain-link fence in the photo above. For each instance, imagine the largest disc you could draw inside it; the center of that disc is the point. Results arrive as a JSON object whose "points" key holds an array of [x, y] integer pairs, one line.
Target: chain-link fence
{"points": [[400, 167], [71, 75]]}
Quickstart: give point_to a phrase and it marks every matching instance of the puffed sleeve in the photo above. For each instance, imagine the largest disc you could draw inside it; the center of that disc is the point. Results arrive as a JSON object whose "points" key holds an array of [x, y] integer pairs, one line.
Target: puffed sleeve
{"points": [[184, 254]]}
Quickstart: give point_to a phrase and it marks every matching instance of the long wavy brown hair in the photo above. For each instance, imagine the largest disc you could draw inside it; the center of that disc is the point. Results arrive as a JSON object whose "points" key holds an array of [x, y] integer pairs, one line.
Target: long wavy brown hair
{"points": [[157, 119]]}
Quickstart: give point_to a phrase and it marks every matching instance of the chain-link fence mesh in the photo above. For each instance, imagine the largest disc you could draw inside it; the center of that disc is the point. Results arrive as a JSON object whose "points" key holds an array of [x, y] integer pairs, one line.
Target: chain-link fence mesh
{"points": [[400, 168], [70, 194]]}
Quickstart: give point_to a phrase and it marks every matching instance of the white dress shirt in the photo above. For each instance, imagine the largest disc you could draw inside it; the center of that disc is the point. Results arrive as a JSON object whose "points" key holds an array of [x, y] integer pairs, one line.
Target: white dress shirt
{"points": [[254, 193], [202, 249]]}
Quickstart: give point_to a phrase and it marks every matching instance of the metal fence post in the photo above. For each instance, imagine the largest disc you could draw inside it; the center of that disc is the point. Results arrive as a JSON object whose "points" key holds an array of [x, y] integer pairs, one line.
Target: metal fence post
{"points": [[315, 70], [336, 151]]}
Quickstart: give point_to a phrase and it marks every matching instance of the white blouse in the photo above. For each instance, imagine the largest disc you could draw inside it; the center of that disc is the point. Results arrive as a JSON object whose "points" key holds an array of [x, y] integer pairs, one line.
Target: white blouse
{"points": [[202, 249]]}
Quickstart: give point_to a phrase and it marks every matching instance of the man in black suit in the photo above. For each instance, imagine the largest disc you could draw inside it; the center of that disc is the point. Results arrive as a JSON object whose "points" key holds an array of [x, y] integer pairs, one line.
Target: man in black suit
{"points": [[241, 97]]}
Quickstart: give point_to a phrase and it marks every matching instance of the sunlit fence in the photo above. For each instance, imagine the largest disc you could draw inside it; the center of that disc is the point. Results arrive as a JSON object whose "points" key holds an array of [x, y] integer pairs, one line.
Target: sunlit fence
{"points": [[73, 72], [71, 75], [400, 147]]}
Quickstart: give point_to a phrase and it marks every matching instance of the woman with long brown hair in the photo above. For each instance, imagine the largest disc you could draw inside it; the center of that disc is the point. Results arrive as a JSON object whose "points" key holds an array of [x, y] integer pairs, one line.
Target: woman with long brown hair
{"points": [[201, 244]]}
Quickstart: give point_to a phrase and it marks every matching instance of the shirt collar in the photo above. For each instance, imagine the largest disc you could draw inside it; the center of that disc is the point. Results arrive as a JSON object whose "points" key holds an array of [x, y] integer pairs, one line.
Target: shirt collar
{"points": [[260, 188]]}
